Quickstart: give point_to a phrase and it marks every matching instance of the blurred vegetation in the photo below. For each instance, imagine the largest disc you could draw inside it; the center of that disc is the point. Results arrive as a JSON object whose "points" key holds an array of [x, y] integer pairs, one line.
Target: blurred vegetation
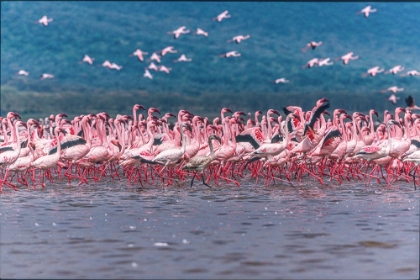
{"points": [[113, 30]]}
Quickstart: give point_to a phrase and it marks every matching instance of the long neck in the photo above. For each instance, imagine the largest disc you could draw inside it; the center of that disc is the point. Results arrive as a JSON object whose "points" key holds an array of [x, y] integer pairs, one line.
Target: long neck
{"points": [[211, 149], [17, 139], [372, 128]]}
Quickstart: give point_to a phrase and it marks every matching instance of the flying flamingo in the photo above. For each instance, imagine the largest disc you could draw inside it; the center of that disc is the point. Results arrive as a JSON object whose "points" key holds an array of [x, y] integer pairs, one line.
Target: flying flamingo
{"points": [[89, 60], [182, 58], [239, 38], [411, 73], [222, 16], [394, 70], [311, 45], [139, 53], [393, 99], [147, 74], [373, 71], [46, 76], [199, 163], [311, 63], [44, 20], [325, 61], [153, 66], [201, 32], [116, 66], [347, 57], [165, 69], [230, 54], [156, 57], [22, 73], [179, 31], [281, 80], [366, 11], [393, 89], [409, 100], [166, 50]]}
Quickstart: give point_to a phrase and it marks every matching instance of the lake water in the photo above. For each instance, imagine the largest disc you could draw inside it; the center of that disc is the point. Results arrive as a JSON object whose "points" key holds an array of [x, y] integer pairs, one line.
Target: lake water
{"points": [[111, 230]]}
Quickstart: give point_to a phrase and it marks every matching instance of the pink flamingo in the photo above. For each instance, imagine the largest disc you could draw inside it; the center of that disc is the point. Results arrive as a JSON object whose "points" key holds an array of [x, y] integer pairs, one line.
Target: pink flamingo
{"points": [[347, 57], [44, 20], [230, 54], [281, 80], [147, 74], [311, 45], [222, 16], [156, 57], [139, 53], [373, 71], [166, 50], [325, 61], [201, 32], [153, 66], [394, 70], [179, 31], [89, 60], [239, 38], [393, 99], [411, 73], [182, 58], [165, 69], [366, 11], [46, 76], [393, 89], [311, 63], [409, 100], [22, 73]]}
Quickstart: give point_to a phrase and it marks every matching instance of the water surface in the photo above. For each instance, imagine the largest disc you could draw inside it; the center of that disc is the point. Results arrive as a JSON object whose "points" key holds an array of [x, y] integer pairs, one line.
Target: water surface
{"points": [[110, 230]]}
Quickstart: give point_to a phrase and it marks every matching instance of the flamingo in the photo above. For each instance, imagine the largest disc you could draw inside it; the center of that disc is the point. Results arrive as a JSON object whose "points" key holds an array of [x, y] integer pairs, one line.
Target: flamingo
{"points": [[156, 57], [10, 156], [182, 58], [89, 60], [230, 54], [325, 61], [199, 163], [166, 50], [222, 16], [179, 31], [347, 57], [393, 99], [411, 73], [311, 63], [373, 71], [409, 100], [116, 66], [147, 74], [44, 20], [22, 73], [311, 45], [139, 53], [201, 32], [165, 69], [366, 11], [49, 161], [394, 70], [373, 152], [239, 38], [46, 76], [393, 89], [281, 80], [153, 66]]}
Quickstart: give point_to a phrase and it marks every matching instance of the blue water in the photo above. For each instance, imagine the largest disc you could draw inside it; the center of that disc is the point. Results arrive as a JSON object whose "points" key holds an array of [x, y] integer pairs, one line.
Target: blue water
{"points": [[112, 31], [109, 230]]}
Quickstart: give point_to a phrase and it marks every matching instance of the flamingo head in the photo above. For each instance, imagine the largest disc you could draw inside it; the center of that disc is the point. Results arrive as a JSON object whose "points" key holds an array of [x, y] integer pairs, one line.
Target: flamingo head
{"points": [[273, 111], [138, 106], [11, 115], [225, 110]]}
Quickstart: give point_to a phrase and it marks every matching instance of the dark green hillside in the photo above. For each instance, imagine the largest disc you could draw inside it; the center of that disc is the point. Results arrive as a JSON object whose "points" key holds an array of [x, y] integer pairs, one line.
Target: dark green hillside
{"points": [[113, 30]]}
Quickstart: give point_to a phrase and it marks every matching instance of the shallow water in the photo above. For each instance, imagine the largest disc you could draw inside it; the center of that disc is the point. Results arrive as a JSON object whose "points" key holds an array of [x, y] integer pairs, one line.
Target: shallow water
{"points": [[110, 230]]}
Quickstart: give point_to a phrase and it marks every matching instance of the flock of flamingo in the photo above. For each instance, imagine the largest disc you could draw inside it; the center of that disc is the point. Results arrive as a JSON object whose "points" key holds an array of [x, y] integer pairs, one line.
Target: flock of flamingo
{"points": [[156, 56], [268, 147], [264, 147]]}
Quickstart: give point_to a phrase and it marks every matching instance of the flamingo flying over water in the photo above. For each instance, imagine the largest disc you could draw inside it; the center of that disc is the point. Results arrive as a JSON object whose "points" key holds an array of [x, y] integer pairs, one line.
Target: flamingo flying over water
{"points": [[230, 54], [280, 80], [46, 76], [182, 58], [139, 53], [23, 73], [239, 38], [411, 73], [147, 74], [222, 16], [166, 50], [325, 61], [44, 20], [312, 45], [179, 31], [393, 99], [373, 71], [311, 63], [200, 31], [394, 70], [409, 100], [393, 89], [366, 11], [347, 57], [89, 60]]}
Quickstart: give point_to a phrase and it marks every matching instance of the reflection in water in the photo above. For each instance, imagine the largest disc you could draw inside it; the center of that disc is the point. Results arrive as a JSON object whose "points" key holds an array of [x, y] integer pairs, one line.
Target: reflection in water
{"points": [[108, 230]]}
